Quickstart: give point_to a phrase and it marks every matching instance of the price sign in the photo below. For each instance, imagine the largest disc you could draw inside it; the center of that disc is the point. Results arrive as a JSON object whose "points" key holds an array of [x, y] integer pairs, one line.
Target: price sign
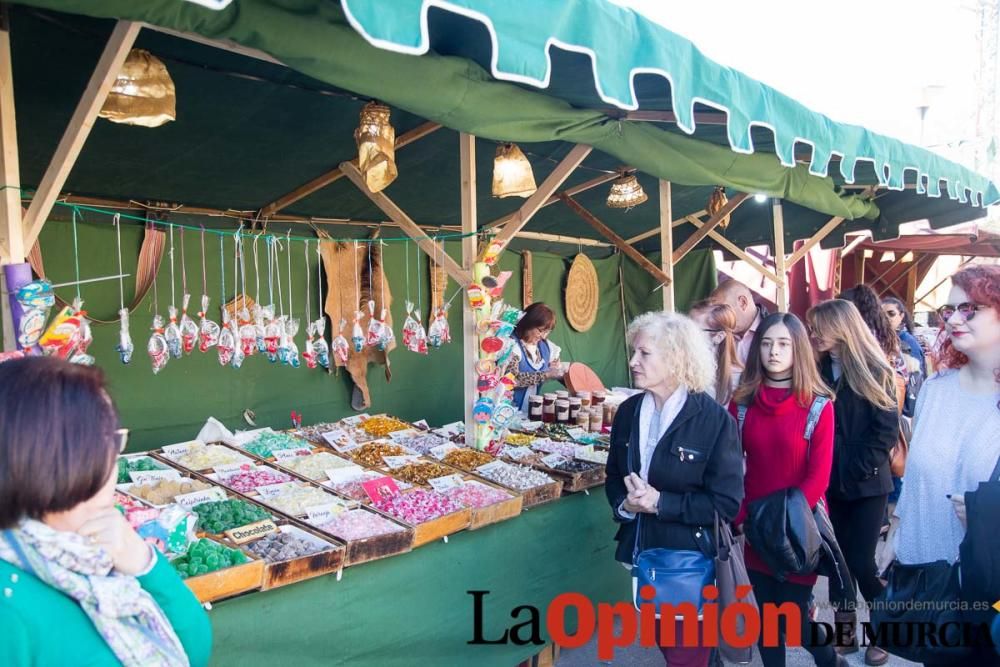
{"points": [[272, 490], [490, 467], [146, 476], [181, 449], [383, 487], [450, 430], [553, 460], [320, 514], [441, 451], [394, 462], [230, 469], [345, 474], [189, 500], [445, 483], [288, 454]]}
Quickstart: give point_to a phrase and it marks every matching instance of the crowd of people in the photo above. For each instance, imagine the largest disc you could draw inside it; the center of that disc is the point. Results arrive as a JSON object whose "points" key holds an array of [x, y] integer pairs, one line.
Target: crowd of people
{"points": [[817, 413]]}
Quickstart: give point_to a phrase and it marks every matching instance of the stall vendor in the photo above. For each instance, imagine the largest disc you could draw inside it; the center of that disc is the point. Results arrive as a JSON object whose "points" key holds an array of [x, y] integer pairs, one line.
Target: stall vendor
{"points": [[535, 358]]}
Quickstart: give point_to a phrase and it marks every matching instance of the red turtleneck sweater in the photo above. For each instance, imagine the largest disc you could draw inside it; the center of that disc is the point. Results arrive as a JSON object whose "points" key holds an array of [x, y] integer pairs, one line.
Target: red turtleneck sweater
{"points": [[776, 457]]}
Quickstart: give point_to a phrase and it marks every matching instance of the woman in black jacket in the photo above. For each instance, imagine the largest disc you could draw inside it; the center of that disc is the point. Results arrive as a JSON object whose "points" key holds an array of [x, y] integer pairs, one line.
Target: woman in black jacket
{"points": [[866, 426], [687, 464]]}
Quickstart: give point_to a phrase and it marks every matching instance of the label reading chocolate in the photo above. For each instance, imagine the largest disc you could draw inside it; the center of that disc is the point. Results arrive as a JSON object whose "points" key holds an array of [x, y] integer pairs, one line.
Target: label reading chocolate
{"points": [[553, 460], [146, 476], [394, 462], [189, 500], [445, 483], [288, 454], [441, 451], [252, 531]]}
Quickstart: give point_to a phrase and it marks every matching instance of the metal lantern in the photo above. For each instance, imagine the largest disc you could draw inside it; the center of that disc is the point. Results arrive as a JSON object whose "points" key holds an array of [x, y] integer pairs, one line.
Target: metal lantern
{"points": [[376, 140], [626, 192], [512, 174], [143, 94]]}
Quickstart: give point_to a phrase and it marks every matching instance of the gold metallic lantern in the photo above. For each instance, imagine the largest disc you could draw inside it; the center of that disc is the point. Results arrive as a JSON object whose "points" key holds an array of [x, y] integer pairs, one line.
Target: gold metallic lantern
{"points": [[143, 94], [376, 139], [512, 174], [626, 192]]}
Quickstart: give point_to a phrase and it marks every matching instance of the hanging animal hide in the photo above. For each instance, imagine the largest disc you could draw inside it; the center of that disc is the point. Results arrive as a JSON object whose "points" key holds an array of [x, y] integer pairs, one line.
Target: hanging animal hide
{"points": [[439, 282], [346, 267]]}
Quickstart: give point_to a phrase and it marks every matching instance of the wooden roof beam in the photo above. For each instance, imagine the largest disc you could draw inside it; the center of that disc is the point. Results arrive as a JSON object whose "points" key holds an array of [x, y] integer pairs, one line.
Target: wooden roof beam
{"points": [[710, 225], [569, 192]]}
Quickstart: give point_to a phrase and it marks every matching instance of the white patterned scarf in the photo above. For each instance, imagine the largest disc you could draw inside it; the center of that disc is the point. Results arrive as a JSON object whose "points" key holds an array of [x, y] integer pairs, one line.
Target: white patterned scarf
{"points": [[126, 616]]}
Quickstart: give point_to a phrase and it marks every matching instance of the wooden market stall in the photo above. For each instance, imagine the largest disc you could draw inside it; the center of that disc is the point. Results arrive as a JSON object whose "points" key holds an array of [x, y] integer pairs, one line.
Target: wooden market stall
{"points": [[268, 98]]}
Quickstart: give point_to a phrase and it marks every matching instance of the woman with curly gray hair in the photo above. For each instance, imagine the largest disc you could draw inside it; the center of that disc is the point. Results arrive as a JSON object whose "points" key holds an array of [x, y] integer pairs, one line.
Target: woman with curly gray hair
{"points": [[675, 460]]}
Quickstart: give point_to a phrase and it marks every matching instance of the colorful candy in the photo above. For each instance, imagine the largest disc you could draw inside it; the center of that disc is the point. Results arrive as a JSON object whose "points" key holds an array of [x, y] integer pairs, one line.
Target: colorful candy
{"points": [[352, 488], [140, 464], [467, 459], [359, 525], [419, 473], [315, 466], [247, 481], [515, 476], [422, 443], [371, 454], [206, 556], [519, 439], [567, 449], [202, 457], [219, 516], [278, 547], [163, 491], [383, 426], [295, 499], [417, 506], [268, 442], [476, 494]]}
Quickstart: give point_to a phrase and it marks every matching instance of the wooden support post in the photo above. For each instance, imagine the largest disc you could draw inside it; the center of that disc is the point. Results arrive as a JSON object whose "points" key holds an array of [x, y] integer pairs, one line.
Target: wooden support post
{"points": [[882, 275], [467, 160], [329, 177], [911, 284], [548, 187], [905, 274], [667, 245], [812, 241], [410, 228], [656, 230], [107, 70], [12, 249], [859, 269], [572, 192], [712, 223], [616, 240], [779, 256]]}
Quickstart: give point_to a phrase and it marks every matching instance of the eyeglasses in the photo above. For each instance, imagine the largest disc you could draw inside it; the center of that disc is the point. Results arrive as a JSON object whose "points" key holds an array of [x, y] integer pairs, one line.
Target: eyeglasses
{"points": [[121, 437], [891, 313], [967, 309]]}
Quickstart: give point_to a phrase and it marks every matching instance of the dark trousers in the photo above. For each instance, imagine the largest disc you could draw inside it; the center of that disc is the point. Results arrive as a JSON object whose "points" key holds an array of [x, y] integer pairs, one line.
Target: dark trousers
{"points": [[983, 656], [857, 524], [683, 656], [769, 590]]}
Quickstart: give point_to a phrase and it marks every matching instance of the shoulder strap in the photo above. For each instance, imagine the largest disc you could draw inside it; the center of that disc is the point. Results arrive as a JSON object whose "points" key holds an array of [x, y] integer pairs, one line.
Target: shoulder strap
{"points": [[815, 410], [995, 475], [741, 416]]}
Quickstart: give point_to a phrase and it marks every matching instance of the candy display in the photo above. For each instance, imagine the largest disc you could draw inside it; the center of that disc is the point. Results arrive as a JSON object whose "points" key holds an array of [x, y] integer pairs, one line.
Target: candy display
{"points": [[137, 464], [417, 506], [419, 473], [247, 480], [171, 531], [567, 449], [268, 442], [163, 491], [382, 426], [202, 457], [519, 439], [359, 524], [557, 431], [476, 495], [315, 466], [278, 547], [371, 454], [352, 488], [467, 459], [219, 516], [513, 476], [206, 556], [295, 499], [422, 443], [574, 466]]}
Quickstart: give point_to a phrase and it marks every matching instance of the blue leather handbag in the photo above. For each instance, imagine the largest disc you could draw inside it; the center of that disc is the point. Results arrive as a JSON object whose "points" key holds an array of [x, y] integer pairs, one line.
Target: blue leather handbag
{"points": [[677, 575]]}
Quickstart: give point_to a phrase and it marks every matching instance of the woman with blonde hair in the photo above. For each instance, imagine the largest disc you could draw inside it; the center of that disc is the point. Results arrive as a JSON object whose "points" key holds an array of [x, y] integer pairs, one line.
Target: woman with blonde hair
{"points": [[675, 461], [867, 428], [718, 320], [780, 400]]}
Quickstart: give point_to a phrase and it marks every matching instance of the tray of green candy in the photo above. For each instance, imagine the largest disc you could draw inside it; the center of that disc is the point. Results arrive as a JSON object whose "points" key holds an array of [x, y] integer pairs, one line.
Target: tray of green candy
{"points": [[136, 463], [214, 570], [218, 516]]}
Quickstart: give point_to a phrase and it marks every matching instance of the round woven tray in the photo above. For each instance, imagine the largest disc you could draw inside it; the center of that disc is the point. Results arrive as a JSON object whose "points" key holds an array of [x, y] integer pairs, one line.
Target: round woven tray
{"points": [[582, 294]]}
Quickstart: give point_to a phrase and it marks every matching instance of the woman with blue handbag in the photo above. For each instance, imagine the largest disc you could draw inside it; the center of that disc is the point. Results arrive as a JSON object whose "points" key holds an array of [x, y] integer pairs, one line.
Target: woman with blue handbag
{"points": [[674, 466], [785, 415]]}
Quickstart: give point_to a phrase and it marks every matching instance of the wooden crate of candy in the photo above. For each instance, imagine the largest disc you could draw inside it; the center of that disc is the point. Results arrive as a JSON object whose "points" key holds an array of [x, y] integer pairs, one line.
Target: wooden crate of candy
{"points": [[430, 514], [294, 553], [490, 503], [132, 467], [196, 456], [217, 569], [367, 534], [535, 487], [312, 467], [268, 445], [558, 459]]}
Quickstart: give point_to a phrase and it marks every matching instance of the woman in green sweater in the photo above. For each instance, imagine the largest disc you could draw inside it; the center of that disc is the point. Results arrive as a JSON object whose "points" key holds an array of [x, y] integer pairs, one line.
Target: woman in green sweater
{"points": [[78, 586]]}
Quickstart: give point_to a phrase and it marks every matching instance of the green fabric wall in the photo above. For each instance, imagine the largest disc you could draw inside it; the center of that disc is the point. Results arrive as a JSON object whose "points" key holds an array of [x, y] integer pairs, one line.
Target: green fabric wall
{"points": [[172, 405]]}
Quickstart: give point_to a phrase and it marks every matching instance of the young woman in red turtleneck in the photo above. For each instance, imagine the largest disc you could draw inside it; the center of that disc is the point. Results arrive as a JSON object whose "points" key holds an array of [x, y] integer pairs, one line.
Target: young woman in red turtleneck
{"points": [[778, 386]]}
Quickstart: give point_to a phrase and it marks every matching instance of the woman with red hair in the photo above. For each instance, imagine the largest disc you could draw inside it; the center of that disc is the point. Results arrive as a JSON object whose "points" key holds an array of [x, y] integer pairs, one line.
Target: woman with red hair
{"points": [[956, 432]]}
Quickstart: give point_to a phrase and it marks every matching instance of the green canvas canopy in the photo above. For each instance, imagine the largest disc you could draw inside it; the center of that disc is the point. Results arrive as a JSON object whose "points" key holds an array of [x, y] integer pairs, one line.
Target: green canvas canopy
{"points": [[546, 75]]}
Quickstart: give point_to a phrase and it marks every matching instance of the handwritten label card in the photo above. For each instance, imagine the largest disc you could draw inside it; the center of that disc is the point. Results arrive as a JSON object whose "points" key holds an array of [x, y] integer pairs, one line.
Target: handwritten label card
{"points": [[231, 469], [320, 514], [272, 490], [406, 434], [394, 462], [340, 440], [345, 474], [288, 454], [591, 455], [445, 483], [422, 425], [146, 476], [517, 453], [441, 451], [490, 467], [356, 420], [181, 448], [450, 430], [553, 460], [189, 500]]}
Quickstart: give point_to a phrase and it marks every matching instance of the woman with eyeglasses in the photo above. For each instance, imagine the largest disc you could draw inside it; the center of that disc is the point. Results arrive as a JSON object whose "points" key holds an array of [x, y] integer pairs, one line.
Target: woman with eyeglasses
{"points": [[956, 432], [902, 323], [77, 584], [866, 427], [535, 358], [718, 320]]}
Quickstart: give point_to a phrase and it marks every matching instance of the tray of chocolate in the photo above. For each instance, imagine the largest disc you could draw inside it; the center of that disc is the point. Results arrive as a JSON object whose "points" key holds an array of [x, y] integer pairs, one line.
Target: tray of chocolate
{"points": [[197, 456], [215, 569], [535, 486], [293, 553]]}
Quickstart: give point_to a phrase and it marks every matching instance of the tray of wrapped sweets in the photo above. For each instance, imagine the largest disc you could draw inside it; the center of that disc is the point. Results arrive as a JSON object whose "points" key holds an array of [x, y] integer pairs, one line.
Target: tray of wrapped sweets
{"points": [[215, 569], [295, 553], [349, 482], [368, 534], [372, 454], [296, 497], [313, 466], [380, 426], [488, 503], [430, 514], [559, 459], [199, 457], [133, 467], [182, 489], [535, 486], [269, 445]]}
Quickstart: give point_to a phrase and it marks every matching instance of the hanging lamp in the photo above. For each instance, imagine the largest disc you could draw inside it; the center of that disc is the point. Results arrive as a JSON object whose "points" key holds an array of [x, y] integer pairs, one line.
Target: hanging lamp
{"points": [[626, 192], [512, 173], [376, 140], [143, 94], [716, 202]]}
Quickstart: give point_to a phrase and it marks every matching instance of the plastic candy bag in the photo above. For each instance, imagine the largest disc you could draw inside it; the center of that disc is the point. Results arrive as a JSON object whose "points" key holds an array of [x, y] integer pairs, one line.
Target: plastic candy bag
{"points": [[189, 330], [321, 347], [172, 334], [357, 335], [208, 331], [260, 315], [341, 346], [272, 339], [157, 348], [439, 332], [308, 351], [227, 341], [375, 327], [125, 346]]}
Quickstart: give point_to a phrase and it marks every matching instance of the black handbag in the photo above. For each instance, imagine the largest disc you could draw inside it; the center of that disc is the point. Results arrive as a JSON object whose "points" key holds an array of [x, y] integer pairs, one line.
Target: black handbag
{"points": [[928, 593], [979, 553]]}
